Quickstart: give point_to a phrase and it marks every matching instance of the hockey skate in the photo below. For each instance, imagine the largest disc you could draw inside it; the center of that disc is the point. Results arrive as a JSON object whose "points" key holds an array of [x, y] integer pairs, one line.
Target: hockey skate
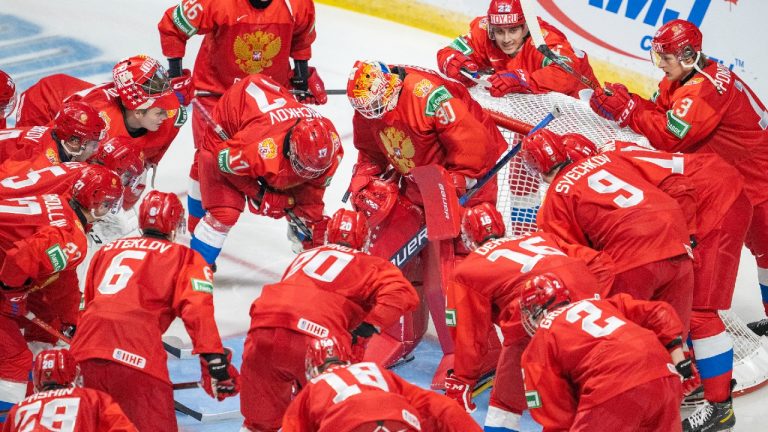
{"points": [[711, 417], [760, 328]]}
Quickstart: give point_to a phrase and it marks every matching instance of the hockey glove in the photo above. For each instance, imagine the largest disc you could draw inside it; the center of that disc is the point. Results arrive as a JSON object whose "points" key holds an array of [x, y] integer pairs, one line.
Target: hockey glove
{"points": [[361, 335], [271, 204], [516, 81], [457, 62], [362, 174], [689, 376], [182, 86], [311, 87], [220, 379], [14, 303], [462, 183], [618, 107], [459, 391]]}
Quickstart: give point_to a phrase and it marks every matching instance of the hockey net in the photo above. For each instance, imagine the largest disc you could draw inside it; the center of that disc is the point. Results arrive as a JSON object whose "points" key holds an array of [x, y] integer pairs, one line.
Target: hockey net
{"points": [[520, 196]]}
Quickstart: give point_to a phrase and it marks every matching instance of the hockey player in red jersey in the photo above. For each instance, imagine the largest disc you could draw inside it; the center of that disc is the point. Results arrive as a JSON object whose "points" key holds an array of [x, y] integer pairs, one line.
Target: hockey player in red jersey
{"points": [[703, 107], [600, 364], [603, 202], [500, 41], [478, 297], [41, 236], [365, 397], [74, 136], [135, 288], [7, 97], [39, 103], [58, 402], [721, 219], [334, 290], [273, 152]]}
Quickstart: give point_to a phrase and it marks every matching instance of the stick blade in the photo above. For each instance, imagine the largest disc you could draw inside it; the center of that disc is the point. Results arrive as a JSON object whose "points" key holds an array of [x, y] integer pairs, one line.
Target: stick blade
{"points": [[441, 204], [532, 19]]}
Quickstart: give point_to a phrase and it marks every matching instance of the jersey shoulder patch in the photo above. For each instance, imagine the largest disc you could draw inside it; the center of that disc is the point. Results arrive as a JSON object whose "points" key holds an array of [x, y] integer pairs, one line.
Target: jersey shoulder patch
{"points": [[438, 96]]}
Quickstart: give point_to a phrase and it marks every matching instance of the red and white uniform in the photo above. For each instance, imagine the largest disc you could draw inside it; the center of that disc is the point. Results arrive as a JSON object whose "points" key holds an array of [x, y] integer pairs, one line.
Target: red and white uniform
{"points": [[40, 103], [134, 289], [486, 284], [435, 121], [39, 236], [604, 202], [74, 409], [326, 291], [26, 148], [256, 113], [595, 354], [329, 403], [54, 179], [546, 75]]}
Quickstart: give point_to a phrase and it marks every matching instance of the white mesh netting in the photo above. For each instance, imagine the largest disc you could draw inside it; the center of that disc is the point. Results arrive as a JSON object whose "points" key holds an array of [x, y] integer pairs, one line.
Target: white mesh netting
{"points": [[520, 195]]}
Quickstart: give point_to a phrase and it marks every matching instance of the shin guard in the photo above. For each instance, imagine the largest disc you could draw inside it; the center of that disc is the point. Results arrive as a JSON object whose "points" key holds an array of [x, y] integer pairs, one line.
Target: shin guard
{"points": [[713, 351]]}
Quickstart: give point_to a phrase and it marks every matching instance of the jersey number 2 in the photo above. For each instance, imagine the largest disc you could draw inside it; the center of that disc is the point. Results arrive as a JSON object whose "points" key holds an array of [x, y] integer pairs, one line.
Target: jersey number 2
{"points": [[588, 313], [59, 415]]}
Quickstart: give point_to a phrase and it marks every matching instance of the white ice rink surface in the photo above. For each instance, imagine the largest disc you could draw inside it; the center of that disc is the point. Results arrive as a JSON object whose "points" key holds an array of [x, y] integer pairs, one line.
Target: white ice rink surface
{"points": [[257, 251]]}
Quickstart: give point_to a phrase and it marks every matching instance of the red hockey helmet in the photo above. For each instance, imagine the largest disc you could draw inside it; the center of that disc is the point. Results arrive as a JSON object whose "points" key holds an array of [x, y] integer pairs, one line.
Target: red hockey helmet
{"points": [[161, 212], [373, 88], [578, 147], [98, 190], [54, 367], [678, 37], [8, 96], [140, 81], [313, 145], [540, 295], [542, 152], [79, 122], [480, 224], [376, 200], [322, 353], [348, 228], [119, 155], [505, 13]]}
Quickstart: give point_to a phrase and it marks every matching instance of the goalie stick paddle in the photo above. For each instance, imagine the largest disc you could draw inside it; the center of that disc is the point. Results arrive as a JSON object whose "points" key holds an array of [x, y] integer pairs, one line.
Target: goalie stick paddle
{"points": [[419, 241], [534, 29], [297, 224]]}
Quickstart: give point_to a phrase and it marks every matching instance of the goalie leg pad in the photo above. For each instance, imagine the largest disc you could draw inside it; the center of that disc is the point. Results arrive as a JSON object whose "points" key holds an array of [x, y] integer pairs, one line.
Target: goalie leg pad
{"points": [[713, 350], [211, 232]]}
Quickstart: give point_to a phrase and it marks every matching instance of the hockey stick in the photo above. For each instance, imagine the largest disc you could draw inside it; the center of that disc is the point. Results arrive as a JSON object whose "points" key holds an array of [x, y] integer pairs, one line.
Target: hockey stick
{"points": [[534, 29], [48, 328], [330, 92], [173, 346], [295, 221], [413, 246], [206, 417]]}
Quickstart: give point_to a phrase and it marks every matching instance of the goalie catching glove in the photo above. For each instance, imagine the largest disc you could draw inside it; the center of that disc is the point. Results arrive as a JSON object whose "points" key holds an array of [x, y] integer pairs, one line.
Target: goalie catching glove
{"points": [[459, 391], [220, 379]]}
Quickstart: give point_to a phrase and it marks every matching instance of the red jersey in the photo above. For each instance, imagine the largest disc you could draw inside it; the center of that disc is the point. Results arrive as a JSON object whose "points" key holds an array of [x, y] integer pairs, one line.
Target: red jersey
{"points": [[53, 179], [40, 103], [716, 184], [592, 350], [346, 397], [604, 203], [487, 282], [134, 289], [329, 290], [104, 98], [39, 236], [546, 75], [239, 39], [435, 121], [257, 114], [691, 116], [73, 409], [31, 147]]}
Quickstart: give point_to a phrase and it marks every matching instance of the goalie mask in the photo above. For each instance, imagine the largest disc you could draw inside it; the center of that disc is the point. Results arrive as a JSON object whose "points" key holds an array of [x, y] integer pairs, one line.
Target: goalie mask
{"points": [[540, 295], [141, 81], [322, 354], [373, 88], [98, 191], [313, 145], [348, 228], [161, 212], [480, 224], [79, 128], [542, 152], [54, 368], [678, 37], [8, 97]]}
